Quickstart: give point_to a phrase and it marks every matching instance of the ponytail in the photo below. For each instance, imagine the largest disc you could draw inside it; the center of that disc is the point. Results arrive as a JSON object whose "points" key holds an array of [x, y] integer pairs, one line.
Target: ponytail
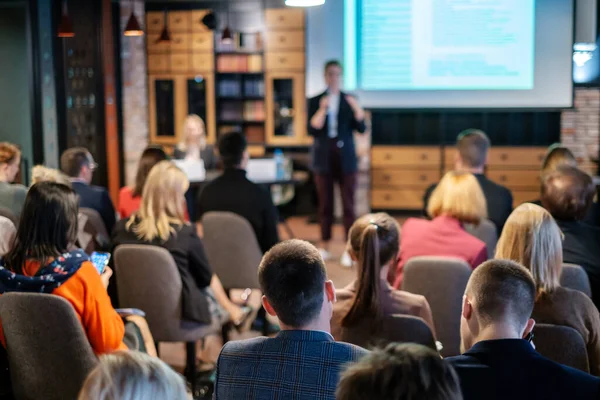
{"points": [[366, 302]]}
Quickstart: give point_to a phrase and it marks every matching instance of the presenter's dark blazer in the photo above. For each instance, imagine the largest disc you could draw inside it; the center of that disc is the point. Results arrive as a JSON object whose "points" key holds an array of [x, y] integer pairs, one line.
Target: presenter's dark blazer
{"points": [[347, 124], [512, 369], [97, 197]]}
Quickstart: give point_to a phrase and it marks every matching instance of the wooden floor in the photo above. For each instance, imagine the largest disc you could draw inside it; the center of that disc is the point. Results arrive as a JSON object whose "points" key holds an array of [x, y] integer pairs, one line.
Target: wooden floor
{"points": [[174, 353]]}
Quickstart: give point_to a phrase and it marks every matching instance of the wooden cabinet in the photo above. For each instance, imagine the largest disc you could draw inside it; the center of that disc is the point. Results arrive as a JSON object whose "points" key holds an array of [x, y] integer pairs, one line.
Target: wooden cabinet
{"points": [[286, 108], [285, 40], [285, 61], [202, 41], [158, 63], [155, 21], [180, 21], [284, 18], [413, 156], [180, 42]]}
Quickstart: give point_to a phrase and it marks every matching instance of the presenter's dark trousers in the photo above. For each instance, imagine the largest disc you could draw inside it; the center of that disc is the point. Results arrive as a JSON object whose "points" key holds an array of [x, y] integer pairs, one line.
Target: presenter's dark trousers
{"points": [[325, 182]]}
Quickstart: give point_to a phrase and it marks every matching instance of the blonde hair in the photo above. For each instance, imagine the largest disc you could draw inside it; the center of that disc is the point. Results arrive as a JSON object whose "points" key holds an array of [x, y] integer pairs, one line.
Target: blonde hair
{"points": [[133, 375], [193, 119], [532, 238], [40, 173], [8, 153], [163, 203], [459, 196]]}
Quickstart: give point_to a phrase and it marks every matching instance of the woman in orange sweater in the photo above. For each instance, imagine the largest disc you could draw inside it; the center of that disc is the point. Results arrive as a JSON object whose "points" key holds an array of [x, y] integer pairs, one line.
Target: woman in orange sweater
{"points": [[40, 261]]}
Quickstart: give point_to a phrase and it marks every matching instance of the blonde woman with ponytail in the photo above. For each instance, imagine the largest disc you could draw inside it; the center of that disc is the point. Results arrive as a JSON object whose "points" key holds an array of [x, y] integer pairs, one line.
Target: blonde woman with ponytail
{"points": [[160, 221], [373, 243]]}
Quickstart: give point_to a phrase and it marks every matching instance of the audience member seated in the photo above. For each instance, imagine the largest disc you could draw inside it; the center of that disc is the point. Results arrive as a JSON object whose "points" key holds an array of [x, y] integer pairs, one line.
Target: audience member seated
{"points": [[567, 194], [40, 261], [374, 241], [79, 165], [400, 372], [8, 232], [303, 361], [498, 361], [233, 192], [12, 196], [40, 173], [132, 375], [472, 147], [194, 146], [557, 156], [532, 238], [456, 200], [160, 221], [130, 197]]}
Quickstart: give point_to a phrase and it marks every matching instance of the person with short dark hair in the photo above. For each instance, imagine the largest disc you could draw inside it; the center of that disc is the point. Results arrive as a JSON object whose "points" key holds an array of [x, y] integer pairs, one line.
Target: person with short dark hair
{"points": [[567, 193], [557, 155], [472, 146], [405, 371], [333, 116], [130, 197], [79, 165], [303, 361], [498, 361], [234, 192]]}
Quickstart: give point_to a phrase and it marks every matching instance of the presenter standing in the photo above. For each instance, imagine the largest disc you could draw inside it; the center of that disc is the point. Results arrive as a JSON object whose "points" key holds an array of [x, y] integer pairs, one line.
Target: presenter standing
{"points": [[333, 116]]}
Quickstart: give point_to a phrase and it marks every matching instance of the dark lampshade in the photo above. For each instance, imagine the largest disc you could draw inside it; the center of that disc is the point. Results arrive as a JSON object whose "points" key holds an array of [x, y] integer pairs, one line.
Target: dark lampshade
{"points": [[227, 36], [65, 27], [164, 36], [133, 27]]}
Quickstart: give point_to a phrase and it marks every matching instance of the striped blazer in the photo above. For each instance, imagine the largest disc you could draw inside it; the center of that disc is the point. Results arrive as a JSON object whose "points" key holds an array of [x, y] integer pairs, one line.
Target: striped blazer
{"points": [[294, 365]]}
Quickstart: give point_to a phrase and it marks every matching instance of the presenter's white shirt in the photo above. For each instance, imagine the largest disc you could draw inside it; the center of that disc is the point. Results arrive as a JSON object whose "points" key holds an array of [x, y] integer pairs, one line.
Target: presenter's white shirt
{"points": [[332, 114]]}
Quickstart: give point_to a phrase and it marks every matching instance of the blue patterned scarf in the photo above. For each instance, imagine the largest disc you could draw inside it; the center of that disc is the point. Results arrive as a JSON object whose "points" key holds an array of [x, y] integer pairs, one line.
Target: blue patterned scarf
{"points": [[47, 278]]}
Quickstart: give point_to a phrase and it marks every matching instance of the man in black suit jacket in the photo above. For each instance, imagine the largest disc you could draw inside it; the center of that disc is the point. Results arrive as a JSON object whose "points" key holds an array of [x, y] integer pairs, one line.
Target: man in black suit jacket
{"points": [[472, 149], [333, 116], [79, 165], [567, 194], [500, 362]]}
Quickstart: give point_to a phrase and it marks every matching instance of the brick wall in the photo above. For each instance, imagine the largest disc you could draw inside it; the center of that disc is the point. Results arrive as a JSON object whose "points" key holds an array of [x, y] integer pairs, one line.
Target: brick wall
{"points": [[580, 127], [135, 88]]}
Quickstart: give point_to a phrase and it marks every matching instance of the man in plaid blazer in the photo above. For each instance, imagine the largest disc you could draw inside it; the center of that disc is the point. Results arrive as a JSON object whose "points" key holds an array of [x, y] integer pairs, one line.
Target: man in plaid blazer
{"points": [[303, 361]]}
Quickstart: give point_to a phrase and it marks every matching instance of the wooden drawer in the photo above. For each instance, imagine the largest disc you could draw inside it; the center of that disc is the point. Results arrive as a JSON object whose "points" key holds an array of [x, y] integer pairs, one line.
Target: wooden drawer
{"points": [[202, 41], [180, 42], [158, 63], [155, 21], [288, 61], [422, 178], [285, 40], [153, 47], [385, 156], [284, 18], [180, 21], [516, 178], [255, 63], [196, 22], [400, 199], [180, 62], [531, 157], [523, 196], [203, 62]]}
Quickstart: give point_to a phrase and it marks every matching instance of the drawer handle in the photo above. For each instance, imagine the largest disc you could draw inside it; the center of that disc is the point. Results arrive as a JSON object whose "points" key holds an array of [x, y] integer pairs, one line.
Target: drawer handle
{"points": [[281, 39], [281, 18], [177, 20], [504, 156], [423, 178], [386, 178], [282, 60], [502, 178], [178, 40], [387, 197], [423, 156], [388, 156]]}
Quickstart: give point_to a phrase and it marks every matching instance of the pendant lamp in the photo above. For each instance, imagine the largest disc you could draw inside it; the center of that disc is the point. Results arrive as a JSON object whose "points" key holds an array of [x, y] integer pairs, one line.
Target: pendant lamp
{"points": [[133, 27], [65, 27]]}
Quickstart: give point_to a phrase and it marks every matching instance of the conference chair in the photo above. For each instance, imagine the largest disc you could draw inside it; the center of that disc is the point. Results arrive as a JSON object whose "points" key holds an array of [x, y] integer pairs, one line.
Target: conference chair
{"points": [[101, 234], [562, 344], [574, 277], [7, 213], [486, 232], [442, 280], [49, 354], [393, 328], [148, 279]]}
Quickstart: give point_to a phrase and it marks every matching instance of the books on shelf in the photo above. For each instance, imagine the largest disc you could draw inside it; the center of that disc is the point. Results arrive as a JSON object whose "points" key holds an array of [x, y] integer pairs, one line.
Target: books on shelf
{"points": [[229, 88], [254, 111], [254, 87], [239, 63]]}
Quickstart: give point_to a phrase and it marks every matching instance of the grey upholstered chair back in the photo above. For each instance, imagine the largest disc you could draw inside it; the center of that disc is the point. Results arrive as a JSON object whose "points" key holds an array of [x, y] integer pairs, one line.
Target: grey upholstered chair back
{"points": [[486, 232], [49, 354], [148, 279], [5, 212], [394, 328], [574, 277], [232, 249], [562, 344], [94, 218], [442, 280]]}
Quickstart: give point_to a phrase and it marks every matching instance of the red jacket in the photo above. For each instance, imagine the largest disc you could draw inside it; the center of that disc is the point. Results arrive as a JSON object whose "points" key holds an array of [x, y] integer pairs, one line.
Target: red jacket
{"points": [[443, 236]]}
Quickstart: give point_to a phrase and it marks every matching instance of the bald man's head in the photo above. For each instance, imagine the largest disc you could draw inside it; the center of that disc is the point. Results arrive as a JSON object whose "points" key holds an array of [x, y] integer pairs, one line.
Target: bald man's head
{"points": [[567, 193]]}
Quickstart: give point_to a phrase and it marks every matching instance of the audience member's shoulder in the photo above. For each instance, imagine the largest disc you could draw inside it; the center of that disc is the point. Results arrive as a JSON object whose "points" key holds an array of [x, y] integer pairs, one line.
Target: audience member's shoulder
{"points": [[244, 346], [415, 222], [498, 187], [98, 189], [348, 351]]}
